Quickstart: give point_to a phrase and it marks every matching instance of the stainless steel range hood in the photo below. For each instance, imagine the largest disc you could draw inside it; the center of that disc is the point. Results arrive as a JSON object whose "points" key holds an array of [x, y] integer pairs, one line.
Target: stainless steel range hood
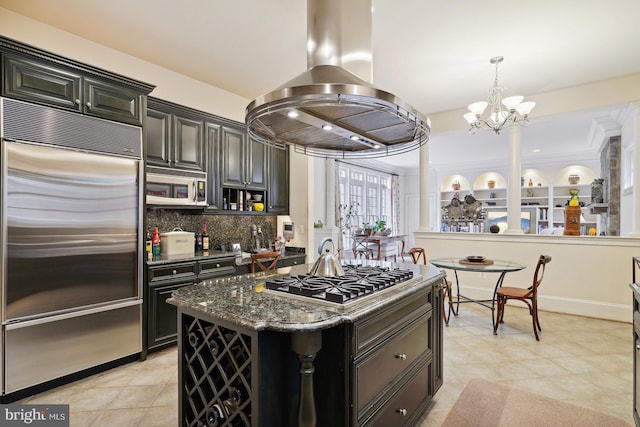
{"points": [[328, 111]]}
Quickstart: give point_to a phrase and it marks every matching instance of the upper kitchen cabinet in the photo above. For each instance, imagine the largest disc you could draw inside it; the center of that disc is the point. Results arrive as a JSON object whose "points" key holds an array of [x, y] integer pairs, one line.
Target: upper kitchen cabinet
{"points": [[244, 161], [175, 136], [35, 76], [278, 197], [212, 162]]}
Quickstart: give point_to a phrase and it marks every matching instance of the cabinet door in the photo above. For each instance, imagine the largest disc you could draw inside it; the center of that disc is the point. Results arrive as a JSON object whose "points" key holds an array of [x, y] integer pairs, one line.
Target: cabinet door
{"points": [[30, 80], [112, 102], [188, 142], [158, 130], [257, 165], [162, 326], [436, 338], [212, 164], [278, 196], [233, 147]]}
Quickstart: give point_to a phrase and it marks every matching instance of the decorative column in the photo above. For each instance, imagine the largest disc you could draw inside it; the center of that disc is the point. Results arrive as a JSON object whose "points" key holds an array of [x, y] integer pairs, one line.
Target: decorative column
{"points": [[424, 189], [330, 200], [513, 186], [635, 226]]}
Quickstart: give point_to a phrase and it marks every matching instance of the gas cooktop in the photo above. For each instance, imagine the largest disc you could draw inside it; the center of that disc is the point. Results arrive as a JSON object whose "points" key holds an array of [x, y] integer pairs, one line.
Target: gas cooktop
{"points": [[358, 282]]}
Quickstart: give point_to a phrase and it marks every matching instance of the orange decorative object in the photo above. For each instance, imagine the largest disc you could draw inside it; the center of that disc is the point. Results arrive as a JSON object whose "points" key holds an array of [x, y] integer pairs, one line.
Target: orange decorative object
{"points": [[572, 221]]}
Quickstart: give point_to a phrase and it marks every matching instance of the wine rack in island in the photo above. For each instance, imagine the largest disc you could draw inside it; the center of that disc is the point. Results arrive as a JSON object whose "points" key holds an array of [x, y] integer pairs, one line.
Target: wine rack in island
{"points": [[216, 375]]}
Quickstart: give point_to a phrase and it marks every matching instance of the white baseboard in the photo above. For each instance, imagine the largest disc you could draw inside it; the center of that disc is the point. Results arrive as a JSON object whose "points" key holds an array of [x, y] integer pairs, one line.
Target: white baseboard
{"points": [[578, 307]]}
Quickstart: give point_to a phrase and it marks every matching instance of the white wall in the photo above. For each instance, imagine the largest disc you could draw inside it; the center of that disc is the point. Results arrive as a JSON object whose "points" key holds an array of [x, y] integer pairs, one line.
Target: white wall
{"points": [[587, 276], [170, 86]]}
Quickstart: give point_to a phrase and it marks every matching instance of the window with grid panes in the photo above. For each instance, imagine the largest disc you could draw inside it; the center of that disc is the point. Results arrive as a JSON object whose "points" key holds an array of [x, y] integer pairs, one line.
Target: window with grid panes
{"points": [[369, 191]]}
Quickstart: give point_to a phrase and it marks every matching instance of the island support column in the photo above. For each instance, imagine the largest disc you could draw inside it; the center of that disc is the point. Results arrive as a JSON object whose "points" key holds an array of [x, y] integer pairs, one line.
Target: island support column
{"points": [[513, 186], [306, 345]]}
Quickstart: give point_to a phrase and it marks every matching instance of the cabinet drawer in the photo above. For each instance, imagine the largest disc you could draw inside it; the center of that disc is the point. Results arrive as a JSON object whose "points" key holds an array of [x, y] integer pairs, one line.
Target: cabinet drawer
{"points": [[288, 262], [380, 327], [216, 267], [402, 406], [382, 366], [182, 272]]}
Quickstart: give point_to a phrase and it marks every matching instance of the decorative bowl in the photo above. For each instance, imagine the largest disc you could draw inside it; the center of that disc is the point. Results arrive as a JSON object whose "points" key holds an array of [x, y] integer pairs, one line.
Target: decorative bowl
{"points": [[475, 258], [257, 197], [574, 179], [258, 207]]}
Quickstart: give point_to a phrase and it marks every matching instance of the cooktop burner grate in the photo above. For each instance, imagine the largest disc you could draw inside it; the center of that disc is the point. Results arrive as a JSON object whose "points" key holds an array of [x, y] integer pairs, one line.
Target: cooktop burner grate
{"points": [[358, 281]]}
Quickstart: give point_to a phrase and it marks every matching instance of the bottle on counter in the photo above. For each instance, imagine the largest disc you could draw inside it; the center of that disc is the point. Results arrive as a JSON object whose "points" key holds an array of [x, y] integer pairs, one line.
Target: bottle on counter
{"points": [[155, 243], [149, 246], [205, 237], [198, 241]]}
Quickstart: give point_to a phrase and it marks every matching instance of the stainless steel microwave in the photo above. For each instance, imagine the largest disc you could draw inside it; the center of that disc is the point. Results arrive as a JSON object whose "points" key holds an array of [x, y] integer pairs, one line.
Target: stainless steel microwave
{"points": [[168, 187]]}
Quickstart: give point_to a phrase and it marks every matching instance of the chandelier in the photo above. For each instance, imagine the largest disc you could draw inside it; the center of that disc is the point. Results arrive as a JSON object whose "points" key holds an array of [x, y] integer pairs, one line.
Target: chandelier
{"points": [[510, 111]]}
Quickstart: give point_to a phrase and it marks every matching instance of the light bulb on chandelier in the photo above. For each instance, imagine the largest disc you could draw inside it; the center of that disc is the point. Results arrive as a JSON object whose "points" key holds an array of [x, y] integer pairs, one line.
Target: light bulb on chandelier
{"points": [[510, 111]]}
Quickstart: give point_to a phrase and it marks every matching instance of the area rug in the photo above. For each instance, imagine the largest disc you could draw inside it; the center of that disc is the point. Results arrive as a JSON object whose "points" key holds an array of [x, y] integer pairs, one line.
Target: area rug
{"points": [[486, 404]]}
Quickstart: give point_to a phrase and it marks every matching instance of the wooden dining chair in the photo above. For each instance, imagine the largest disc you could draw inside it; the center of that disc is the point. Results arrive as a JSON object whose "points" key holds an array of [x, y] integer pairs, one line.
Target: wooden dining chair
{"points": [[360, 246], [263, 259], [527, 295], [416, 254]]}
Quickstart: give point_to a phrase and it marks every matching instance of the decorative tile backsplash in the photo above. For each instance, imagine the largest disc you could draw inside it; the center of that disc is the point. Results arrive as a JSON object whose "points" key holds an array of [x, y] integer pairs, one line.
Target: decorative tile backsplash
{"points": [[222, 229]]}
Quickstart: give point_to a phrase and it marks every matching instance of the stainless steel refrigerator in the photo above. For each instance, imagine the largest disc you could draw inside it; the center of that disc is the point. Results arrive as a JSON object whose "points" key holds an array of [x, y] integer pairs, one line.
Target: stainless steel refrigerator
{"points": [[70, 244]]}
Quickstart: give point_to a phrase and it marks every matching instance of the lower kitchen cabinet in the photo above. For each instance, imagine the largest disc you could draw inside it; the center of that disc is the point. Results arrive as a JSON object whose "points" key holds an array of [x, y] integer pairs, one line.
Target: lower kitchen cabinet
{"points": [[636, 352], [162, 280], [162, 322], [392, 364], [216, 267]]}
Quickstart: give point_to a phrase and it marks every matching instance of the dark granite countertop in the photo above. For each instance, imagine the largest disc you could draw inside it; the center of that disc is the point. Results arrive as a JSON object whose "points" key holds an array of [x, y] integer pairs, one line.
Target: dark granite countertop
{"points": [[244, 301], [168, 259]]}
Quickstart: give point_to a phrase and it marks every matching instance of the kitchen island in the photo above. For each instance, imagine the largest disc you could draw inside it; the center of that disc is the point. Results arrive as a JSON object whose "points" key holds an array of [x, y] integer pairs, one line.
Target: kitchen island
{"points": [[251, 356]]}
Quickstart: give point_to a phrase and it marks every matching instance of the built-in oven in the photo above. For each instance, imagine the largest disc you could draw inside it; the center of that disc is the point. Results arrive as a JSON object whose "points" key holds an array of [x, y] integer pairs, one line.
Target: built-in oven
{"points": [[169, 187]]}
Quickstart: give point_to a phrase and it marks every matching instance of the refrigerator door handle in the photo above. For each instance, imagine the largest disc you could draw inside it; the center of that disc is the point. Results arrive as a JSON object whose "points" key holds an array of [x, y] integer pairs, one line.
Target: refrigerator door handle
{"points": [[17, 323]]}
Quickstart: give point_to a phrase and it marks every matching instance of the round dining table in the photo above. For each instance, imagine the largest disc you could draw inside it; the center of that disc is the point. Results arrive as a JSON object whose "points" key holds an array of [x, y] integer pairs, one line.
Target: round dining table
{"points": [[477, 265]]}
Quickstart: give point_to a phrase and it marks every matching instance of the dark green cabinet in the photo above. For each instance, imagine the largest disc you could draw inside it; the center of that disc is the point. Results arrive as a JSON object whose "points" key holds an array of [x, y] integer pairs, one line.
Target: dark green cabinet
{"points": [[43, 82], [158, 130], [212, 164], [278, 191], [175, 136], [162, 316], [184, 138], [244, 161], [162, 280]]}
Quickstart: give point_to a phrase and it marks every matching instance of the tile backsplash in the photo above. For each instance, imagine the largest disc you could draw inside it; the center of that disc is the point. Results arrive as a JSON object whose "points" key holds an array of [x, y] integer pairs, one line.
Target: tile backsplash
{"points": [[222, 229]]}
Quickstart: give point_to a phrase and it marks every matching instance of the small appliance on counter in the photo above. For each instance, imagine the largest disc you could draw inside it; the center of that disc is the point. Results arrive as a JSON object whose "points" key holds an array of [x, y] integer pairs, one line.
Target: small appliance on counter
{"points": [[287, 231], [177, 242]]}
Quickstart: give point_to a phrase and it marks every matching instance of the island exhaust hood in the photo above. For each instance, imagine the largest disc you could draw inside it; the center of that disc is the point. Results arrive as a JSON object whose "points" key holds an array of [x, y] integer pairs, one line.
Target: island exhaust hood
{"points": [[328, 111]]}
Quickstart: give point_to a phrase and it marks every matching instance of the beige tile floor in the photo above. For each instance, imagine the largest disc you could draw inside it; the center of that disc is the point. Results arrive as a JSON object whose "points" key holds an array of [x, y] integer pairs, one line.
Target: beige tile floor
{"points": [[584, 361]]}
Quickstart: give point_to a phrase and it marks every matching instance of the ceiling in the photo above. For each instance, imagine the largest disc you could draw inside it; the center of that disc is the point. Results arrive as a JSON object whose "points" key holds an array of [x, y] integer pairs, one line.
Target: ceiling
{"points": [[432, 54]]}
